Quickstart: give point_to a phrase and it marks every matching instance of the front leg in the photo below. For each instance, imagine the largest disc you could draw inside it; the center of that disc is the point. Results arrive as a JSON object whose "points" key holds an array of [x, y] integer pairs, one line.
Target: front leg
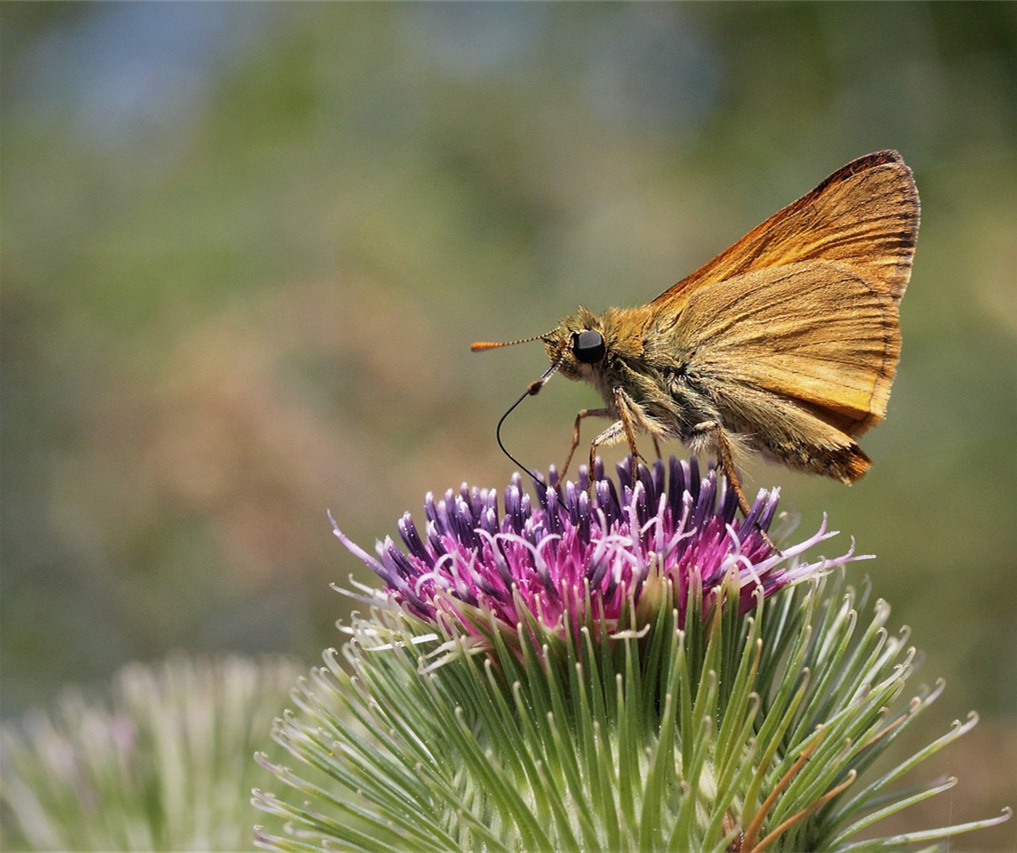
{"points": [[584, 413], [611, 435], [630, 419]]}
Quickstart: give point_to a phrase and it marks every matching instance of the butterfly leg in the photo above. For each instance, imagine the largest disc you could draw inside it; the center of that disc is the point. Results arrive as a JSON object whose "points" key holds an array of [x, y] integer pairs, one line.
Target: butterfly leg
{"points": [[725, 456], [609, 436], [629, 416], [630, 419], [584, 413]]}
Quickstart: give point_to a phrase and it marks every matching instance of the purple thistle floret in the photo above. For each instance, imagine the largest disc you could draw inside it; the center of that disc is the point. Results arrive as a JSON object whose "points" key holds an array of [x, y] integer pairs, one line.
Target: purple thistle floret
{"points": [[566, 558]]}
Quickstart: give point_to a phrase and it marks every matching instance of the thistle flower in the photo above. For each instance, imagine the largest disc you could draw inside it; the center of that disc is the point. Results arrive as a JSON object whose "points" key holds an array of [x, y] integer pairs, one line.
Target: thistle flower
{"points": [[570, 559], [638, 670]]}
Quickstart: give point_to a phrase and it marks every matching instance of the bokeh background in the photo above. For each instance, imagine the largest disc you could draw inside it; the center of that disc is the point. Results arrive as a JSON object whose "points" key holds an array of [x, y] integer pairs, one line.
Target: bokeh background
{"points": [[245, 249]]}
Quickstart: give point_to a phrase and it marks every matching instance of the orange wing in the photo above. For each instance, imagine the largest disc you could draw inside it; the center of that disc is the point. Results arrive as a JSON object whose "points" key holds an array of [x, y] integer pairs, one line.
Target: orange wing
{"points": [[864, 217]]}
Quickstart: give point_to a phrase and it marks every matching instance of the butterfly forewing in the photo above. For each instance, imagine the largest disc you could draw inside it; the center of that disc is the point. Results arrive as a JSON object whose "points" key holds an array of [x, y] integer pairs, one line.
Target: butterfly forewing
{"points": [[865, 215]]}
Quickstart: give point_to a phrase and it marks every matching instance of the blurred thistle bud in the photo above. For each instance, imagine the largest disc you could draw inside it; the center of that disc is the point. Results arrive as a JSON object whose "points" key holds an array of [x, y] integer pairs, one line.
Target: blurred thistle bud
{"points": [[160, 762]]}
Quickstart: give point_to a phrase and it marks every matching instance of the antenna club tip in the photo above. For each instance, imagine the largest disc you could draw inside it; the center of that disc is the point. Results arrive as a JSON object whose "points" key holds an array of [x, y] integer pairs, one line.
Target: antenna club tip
{"points": [[480, 346]]}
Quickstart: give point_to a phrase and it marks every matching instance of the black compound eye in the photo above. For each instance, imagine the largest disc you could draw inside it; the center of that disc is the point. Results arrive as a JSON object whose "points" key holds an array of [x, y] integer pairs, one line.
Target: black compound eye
{"points": [[588, 346]]}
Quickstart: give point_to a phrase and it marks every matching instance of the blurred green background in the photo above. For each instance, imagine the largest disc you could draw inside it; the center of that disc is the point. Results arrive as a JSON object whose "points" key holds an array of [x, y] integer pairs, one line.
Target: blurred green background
{"points": [[245, 249]]}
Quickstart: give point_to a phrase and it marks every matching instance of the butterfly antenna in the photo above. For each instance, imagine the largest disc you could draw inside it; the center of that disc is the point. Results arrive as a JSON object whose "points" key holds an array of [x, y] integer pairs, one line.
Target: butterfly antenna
{"points": [[480, 346]]}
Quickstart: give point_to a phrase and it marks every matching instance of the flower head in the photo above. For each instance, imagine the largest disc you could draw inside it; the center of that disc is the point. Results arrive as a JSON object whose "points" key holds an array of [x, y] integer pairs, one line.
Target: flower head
{"points": [[621, 697], [567, 557]]}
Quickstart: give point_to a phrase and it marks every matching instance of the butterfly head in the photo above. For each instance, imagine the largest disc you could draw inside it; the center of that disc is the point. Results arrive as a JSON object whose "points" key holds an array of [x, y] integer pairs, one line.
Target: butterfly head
{"points": [[577, 345]]}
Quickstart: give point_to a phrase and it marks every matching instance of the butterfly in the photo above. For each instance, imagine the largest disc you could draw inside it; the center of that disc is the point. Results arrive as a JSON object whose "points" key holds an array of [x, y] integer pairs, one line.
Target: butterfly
{"points": [[786, 343]]}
